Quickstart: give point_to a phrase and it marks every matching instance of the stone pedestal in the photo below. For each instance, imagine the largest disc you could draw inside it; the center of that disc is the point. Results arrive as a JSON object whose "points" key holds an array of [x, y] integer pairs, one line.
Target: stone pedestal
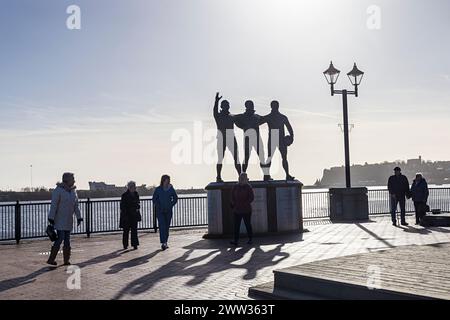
{"points": [[349, 204], [277, 208]]}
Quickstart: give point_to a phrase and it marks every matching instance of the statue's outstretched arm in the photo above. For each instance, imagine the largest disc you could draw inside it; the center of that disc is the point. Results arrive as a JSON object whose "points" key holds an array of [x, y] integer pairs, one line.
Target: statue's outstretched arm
{"points": [[216, 105], [262, 120], [237, 119]]}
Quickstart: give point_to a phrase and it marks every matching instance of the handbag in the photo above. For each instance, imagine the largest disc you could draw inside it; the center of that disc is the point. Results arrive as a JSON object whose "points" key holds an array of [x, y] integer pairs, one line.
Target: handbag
{"points": [[51, 233], [138, 216]]}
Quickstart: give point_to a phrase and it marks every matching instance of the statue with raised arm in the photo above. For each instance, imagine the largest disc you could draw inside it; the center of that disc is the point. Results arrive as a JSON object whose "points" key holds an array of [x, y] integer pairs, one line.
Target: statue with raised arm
{"points": [[249, 121], [277, 136], [225, 135]]}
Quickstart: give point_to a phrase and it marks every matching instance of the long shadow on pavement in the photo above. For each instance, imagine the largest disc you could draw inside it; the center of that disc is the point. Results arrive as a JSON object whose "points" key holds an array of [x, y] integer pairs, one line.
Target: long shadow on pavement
{"points": [[220, 258], [131, 263], [24, 280]]}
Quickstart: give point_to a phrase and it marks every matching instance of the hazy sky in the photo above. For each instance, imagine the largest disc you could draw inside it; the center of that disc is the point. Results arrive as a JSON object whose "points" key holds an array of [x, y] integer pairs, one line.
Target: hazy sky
{"points": [[105, 101]]}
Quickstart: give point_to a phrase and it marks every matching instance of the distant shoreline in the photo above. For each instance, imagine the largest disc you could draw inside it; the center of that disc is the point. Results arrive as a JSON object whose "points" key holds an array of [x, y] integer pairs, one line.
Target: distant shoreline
{"points": [[43, 195], [12, 196]]}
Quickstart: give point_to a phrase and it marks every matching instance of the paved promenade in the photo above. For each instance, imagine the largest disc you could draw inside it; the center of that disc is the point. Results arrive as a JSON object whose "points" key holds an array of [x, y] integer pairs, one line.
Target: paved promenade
{"points": [[192, 268]]}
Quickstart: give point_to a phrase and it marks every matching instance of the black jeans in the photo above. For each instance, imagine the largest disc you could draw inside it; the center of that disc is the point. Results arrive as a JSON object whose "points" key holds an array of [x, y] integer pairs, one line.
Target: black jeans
{"points": [[420, 208], [237, 225], [394, 202], [63, 235], [134, 235]]}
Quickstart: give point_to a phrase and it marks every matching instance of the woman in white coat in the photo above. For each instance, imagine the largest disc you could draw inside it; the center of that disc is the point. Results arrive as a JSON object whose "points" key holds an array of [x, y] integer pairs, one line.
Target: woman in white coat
{"points": [[64, 206]]}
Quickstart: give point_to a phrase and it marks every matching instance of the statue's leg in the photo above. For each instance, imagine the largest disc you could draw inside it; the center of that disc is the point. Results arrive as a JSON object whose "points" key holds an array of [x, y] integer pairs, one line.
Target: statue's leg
{"points": [[283, 150], [246, 154], [234, 151], [220, 154], [270, 151], [262, 160]]}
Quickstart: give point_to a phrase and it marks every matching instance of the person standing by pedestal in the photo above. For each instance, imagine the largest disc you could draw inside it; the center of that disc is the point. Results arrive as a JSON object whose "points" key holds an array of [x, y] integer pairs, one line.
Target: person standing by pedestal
{"points": [[398, 187], [419, 194], [64, 205], [130, 215], [164, 198], [242, 197]]}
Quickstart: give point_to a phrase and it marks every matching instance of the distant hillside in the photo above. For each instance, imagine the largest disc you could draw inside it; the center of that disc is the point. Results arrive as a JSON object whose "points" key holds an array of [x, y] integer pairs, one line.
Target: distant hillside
{"points": [[437, 172]]}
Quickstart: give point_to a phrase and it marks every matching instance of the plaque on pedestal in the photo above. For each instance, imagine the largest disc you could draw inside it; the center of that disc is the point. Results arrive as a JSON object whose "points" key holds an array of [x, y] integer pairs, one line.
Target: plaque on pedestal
{"points": [[277, 208]]}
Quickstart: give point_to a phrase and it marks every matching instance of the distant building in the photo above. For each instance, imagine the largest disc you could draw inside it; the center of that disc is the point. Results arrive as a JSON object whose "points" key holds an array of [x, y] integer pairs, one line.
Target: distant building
{"points": [[101, 186], [414, 162]]}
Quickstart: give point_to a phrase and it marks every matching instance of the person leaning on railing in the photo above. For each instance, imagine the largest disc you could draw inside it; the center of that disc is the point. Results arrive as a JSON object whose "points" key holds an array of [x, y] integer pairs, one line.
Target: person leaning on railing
{"points": [[64, 205]]}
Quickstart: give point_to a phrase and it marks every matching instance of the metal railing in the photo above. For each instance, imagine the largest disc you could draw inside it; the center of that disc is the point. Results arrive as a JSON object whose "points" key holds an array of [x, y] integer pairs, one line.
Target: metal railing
{"points": [[316, 205], [379, 201], [25, 220]]}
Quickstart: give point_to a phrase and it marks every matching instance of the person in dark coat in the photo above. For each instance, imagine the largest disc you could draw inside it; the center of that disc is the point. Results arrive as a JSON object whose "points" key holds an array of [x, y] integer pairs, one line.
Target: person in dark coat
{"points": [[130, 215], [242, 197], [164, 198], [419, 194], [398, 186]]}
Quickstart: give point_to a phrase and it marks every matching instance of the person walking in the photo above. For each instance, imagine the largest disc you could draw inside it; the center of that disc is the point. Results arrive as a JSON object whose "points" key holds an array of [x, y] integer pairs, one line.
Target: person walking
{"points": [[164, 199], [398, 186], [130, 215], [419, 194], [242, 197], [63, 206]]}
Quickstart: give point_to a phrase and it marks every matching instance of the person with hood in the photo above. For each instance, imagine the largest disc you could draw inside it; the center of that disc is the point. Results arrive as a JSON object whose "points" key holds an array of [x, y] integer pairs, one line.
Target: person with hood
{"points": [[419, 194], [242, 197], [130, 215], [164, 199], [63, 206], [398, 187]]}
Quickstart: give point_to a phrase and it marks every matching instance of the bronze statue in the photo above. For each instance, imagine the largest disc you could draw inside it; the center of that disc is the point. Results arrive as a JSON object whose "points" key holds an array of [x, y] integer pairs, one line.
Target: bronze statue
{"points": [[249, 121], [277, 136], [225, 135]]}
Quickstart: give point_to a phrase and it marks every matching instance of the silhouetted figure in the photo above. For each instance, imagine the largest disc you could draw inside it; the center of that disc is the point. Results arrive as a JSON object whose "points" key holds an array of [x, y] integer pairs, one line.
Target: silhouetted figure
{"points": [[225, 135], [398, 187], [278, 138], [419, 194], [64, 205], [164, 198], [130, 215], [242, 197], [249, 121]]}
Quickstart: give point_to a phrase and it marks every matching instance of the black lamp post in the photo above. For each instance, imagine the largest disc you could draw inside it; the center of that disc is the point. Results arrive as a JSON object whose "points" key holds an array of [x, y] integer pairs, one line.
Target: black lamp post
{"points": [[355, 76]]}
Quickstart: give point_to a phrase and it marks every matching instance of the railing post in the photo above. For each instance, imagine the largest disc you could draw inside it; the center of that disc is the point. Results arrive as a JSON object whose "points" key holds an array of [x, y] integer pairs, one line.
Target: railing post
{"points": [[17, 222], [88, 217], [155, 221]]}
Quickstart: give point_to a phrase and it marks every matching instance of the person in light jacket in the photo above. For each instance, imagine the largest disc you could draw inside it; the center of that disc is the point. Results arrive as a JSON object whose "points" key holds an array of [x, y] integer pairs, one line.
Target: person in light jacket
{"points": [[419, 194], [242, 197], [164, 198], [130, 215], [64, 205]]}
